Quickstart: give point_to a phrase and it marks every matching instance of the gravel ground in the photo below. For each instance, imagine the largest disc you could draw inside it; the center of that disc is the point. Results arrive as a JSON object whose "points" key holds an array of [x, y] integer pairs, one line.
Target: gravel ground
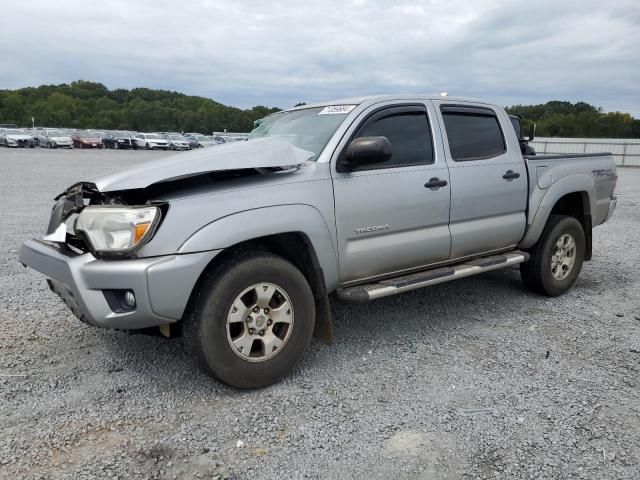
{"points": [[472, 379]]}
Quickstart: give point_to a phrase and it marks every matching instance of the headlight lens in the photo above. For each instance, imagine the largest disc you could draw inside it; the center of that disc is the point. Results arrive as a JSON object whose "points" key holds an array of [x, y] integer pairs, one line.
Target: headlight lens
{"points": [[117, 230]]}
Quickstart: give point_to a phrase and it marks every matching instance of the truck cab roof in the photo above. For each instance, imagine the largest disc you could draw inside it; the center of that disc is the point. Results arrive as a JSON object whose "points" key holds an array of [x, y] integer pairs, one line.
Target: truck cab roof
{"points": [[373, 99]]}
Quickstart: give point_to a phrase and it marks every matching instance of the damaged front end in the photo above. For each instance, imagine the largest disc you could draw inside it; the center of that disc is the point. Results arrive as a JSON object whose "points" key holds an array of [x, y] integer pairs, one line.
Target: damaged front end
{"points": [[88, 256], [68, 204], [105, 253], [86, 220]]}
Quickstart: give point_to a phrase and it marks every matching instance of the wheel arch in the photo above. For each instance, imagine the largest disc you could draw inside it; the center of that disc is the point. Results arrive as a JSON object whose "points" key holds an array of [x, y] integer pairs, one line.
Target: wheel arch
{"points": [[297, 233], [572, 196]]}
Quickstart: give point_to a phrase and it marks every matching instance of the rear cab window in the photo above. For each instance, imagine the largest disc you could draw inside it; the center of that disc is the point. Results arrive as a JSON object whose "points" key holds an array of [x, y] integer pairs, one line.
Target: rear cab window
{"points": [[474, 133]]}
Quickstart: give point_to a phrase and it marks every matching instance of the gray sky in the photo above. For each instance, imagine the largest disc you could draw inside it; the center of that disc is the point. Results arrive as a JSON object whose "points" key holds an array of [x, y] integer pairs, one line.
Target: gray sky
{"points": [[280, 52]]}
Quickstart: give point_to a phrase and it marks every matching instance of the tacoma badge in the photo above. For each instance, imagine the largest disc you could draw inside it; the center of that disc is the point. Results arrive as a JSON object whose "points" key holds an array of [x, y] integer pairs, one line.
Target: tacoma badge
{"points": [[372, 228]]}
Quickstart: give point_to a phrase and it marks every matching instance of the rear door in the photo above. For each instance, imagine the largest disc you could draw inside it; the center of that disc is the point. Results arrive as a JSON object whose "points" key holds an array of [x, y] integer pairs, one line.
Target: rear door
{"points": [[387, 220], [488, 178]]}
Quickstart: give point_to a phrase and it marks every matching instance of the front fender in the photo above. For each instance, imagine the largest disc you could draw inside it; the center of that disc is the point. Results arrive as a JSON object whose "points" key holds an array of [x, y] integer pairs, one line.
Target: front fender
{"points": [[546, 200], [259, 222]]}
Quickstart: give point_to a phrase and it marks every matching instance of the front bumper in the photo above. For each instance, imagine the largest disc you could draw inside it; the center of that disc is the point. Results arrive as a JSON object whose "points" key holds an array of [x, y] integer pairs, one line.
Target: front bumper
{"points": [[18, 143], [125, 144], [88, 145], [162, 285]]}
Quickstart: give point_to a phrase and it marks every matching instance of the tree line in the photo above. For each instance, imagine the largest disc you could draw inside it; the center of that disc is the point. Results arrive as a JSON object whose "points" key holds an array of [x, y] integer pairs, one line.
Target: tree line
{"points": [[577, 120], [83, 104]]}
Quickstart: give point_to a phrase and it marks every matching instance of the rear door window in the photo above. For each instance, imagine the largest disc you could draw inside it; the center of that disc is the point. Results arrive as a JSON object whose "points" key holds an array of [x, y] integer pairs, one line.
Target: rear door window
{"points": [[473, 133]]}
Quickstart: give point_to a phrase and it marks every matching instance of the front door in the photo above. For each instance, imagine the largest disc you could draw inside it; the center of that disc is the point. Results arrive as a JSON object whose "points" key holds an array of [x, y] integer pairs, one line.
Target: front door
{"points": [[488, 179], [394, 216]]}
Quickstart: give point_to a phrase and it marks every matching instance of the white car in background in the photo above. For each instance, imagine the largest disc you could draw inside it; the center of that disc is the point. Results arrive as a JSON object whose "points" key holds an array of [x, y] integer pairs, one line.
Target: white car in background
{"points": [[151, 141], [54, 138], [14, 137]]}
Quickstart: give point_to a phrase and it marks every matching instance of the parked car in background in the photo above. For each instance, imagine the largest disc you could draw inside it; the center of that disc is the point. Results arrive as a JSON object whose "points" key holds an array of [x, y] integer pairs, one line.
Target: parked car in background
{"points": [[193, 143], [179, 142], [54, 138], [97, 133], [151, 141], [235, 138], [14, 137], [202, 140], [86, 139], [118, 140]]}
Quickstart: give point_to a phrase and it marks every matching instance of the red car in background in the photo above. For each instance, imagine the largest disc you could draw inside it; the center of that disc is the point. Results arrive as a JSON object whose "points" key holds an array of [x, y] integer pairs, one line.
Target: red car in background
{"points": [[87, 140]]}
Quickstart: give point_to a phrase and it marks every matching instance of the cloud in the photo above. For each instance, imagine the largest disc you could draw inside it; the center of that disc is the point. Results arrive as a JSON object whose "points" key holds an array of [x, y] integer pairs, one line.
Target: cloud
{"points": [[281, 52]]}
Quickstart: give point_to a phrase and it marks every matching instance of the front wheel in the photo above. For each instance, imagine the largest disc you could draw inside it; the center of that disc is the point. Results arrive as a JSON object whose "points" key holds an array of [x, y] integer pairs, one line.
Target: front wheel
{"points": [[251, 320], [556, 260]]}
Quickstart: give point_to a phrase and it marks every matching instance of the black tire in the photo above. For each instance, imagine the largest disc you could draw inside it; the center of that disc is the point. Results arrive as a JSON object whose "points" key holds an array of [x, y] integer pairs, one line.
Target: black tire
{"points": [[537, 273], [147, 147], [205, 324]]}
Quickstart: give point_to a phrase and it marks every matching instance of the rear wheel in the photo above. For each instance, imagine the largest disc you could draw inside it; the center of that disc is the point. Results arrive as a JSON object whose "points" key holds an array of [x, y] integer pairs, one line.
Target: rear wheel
{"points": [[251, 320], [556, 260]]}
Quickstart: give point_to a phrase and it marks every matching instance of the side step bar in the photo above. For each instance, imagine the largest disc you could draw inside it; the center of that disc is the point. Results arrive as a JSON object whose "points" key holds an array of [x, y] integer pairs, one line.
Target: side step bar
{"points": [[392, 286]]}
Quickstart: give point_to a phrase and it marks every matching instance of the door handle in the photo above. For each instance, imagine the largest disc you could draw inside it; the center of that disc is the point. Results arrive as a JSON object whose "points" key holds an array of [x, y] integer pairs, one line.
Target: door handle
{"points": [[435, 183], [510, 175]]}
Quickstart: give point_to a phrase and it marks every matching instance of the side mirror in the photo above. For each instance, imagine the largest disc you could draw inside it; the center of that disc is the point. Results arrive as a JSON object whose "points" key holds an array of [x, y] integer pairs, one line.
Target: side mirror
{"points": [[366, 151], [532, 132]]}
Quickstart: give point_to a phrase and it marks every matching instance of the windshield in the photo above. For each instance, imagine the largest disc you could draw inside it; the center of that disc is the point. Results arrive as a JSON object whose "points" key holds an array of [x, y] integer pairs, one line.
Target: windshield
{"points": [[14, 131], [87, 135], [153, 136], [310, 128], [202, 138], [55, 133], [176, 137]]}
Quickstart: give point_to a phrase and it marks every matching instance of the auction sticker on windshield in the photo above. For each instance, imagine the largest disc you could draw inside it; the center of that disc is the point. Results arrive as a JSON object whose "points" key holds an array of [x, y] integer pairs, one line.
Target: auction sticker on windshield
{"points": [[336, 109]]}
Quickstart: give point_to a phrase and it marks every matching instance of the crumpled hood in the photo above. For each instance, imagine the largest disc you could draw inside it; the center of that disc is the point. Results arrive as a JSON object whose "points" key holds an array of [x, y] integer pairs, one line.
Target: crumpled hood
{"points": [[258, 153]]}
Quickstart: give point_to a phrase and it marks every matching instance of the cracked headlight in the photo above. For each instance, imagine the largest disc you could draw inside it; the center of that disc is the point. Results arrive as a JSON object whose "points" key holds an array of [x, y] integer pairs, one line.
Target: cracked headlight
{"points": [[117, 231]]}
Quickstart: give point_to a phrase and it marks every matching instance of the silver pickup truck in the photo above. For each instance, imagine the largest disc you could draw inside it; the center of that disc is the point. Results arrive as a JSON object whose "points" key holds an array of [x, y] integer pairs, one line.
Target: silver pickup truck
{"points": [[238, 248]]}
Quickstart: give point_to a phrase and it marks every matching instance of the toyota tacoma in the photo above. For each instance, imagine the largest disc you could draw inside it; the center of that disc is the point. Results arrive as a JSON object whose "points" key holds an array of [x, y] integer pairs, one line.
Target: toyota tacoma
{"points": [[239, 248]]}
